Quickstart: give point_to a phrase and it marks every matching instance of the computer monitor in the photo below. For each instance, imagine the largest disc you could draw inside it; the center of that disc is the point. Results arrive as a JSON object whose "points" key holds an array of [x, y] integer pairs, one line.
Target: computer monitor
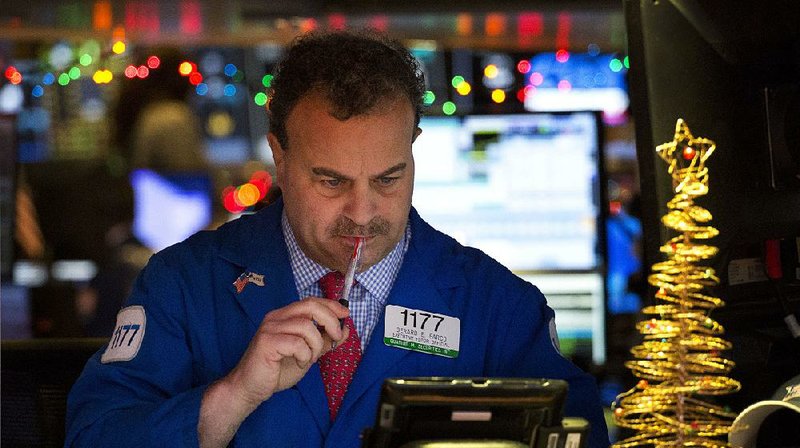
{"points": [[449, 408], [169, 208], [526, 189]]}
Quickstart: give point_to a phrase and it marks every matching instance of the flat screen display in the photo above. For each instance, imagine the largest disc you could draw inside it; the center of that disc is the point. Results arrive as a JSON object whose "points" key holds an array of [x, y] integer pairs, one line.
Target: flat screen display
{"points": [[169, 208], [526, 189]]}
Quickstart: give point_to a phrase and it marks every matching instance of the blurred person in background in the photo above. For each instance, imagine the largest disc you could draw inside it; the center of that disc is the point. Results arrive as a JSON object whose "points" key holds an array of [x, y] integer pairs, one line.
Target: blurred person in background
{"points": [[155, 129]]}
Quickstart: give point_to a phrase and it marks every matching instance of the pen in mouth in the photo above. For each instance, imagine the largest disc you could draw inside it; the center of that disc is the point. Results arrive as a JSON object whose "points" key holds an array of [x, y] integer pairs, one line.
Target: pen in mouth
{"points": [[351, 273]]}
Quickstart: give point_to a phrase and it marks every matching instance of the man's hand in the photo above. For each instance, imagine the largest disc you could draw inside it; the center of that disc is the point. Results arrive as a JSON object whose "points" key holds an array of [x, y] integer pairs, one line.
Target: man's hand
{"points": [[288, 341]]}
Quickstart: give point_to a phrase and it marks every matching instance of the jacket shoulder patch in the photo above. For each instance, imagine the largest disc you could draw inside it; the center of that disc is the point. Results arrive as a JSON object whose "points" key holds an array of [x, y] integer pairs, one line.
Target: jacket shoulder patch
{"points": [[128, 335]]}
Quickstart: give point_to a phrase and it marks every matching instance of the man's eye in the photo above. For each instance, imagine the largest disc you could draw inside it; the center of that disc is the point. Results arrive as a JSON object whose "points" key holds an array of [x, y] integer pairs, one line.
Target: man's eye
{"points": [[332, 183], [386, 181]]}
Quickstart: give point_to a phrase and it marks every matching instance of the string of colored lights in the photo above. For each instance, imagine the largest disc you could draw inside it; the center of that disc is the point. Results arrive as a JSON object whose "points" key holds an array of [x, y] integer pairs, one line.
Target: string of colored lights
{"points": [[65, 63], [679, 359]]}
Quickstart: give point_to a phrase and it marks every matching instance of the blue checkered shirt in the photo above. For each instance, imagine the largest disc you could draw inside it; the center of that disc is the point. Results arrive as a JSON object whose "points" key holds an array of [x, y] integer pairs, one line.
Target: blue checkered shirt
{"points": [[371, 291]]}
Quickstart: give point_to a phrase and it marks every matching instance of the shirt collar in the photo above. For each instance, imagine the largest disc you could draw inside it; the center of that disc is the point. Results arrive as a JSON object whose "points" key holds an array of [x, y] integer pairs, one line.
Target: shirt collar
{"points": [[307, 271]]}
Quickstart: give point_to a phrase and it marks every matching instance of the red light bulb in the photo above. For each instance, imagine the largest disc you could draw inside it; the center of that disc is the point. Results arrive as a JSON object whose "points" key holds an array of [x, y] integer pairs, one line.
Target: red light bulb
{"points": [[153, 62]]}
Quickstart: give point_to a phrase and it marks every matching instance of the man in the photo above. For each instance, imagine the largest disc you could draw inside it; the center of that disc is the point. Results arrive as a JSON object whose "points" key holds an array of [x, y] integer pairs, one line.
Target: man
{"points": [[227, 336]]}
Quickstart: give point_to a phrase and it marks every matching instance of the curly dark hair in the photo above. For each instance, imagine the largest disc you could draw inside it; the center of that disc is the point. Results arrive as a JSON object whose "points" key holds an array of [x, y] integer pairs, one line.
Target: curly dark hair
{"points": [[353, 69]]}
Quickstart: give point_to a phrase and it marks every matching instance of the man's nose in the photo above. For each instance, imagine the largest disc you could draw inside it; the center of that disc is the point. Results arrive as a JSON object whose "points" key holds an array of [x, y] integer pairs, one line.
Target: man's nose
{"points": [[361, 204]]}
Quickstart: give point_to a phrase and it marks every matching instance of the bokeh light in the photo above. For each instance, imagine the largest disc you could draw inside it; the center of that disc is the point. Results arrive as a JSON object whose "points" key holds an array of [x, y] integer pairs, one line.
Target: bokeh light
{"points": [[118, 47], [102, 76], [498, 96], [130, 71], [195, 78], [186, 68], [464, 88], [153, 62], [429, 98], [230, 70], [237, 199], [260, 98], [247, 195], [490, 71]]}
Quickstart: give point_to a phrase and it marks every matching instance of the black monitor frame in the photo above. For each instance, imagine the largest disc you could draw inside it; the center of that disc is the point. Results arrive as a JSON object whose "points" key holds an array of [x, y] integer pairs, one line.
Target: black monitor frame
{"points": [[450, 408]]}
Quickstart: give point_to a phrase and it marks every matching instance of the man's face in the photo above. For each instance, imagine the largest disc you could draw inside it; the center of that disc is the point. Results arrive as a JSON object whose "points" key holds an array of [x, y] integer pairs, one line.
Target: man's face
{"points": [[343, 179]]}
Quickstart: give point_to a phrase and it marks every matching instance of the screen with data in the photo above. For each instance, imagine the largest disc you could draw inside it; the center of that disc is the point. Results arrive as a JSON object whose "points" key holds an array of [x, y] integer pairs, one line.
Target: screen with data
{"points": [[527, 190]]}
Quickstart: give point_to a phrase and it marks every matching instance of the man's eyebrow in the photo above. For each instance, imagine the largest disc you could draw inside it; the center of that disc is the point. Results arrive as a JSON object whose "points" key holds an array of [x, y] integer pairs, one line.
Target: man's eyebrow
{"points": [[322, 171], [399, 167], [327, 172]]}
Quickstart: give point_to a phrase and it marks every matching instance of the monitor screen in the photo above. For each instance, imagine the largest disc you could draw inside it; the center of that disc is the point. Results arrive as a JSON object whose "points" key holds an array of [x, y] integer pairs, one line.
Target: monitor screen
{"points": [[169, 208], [526, 189], [523, 188]]}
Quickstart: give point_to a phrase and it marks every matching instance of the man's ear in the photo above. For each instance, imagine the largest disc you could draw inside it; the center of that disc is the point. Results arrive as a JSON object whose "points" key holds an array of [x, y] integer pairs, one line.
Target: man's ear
{"points": [[416, 134], [277, 149]]}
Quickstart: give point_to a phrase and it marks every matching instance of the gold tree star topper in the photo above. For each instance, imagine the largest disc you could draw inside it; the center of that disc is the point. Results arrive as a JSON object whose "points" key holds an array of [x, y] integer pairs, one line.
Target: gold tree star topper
{"points": [[686, 156]]}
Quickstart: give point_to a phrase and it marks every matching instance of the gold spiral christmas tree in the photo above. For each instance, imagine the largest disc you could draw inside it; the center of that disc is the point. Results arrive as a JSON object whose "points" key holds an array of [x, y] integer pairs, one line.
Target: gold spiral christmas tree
{"points": [[679, 359]]}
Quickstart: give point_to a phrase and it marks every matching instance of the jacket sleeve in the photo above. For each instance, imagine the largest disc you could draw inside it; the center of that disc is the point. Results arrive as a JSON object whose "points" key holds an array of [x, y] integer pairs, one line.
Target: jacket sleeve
{"points": [[149, 399], [526, 349]]}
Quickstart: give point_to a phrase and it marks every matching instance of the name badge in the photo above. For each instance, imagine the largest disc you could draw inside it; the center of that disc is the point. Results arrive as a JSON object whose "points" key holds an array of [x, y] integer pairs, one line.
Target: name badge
{"points": [[422, 331]]}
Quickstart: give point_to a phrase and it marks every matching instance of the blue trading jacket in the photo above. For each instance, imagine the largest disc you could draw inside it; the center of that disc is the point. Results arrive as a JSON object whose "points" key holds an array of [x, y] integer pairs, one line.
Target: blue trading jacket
{"points": [[197, 327]]}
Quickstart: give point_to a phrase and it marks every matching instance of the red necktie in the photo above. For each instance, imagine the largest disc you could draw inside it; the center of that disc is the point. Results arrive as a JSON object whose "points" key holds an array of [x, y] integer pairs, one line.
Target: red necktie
{"points": [[338, 365]]}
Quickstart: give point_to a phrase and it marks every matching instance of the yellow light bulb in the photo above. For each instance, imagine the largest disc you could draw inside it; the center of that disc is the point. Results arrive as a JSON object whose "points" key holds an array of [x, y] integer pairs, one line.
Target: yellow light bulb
{"points": [[118, 47], [498, 96]]}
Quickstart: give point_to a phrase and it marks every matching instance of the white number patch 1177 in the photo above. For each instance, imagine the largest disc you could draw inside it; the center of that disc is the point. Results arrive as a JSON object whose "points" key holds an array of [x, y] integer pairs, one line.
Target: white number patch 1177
{"points": [[127, 337]]}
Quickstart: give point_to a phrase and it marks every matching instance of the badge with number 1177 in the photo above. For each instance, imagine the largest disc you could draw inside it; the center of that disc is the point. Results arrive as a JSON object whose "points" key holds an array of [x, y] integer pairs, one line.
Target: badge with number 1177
{"points": [[422, 331]]}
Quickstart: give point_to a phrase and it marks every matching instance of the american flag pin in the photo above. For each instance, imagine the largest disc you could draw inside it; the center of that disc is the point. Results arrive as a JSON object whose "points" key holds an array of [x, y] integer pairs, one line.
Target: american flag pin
{"points": [[248, 277]]}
